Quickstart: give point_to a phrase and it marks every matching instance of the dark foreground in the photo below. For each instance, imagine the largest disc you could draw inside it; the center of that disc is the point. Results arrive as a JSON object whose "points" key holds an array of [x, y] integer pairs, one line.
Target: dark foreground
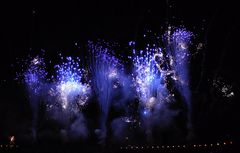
{"points": [[84, 148]]}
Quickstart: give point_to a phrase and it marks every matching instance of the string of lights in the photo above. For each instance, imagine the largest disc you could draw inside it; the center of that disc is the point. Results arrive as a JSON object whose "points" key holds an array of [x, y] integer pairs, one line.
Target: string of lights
{"points": [[182, 146]]}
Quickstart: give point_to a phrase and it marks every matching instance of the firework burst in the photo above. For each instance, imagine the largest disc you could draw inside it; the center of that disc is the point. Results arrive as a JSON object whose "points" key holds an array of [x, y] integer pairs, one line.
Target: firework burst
{"points": [[73, 92]]}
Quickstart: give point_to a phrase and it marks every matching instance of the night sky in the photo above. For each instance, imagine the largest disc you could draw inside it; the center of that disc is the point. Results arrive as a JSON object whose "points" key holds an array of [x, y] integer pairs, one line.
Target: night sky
{"points": [[56, 27]]}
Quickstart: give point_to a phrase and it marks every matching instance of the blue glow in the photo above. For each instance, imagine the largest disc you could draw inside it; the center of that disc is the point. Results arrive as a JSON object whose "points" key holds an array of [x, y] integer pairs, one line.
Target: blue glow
{"points": [[145, 112]]}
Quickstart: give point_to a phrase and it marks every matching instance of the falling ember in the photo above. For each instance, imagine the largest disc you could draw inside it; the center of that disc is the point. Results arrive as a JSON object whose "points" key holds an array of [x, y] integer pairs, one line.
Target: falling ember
{"points": [[12, 139]]}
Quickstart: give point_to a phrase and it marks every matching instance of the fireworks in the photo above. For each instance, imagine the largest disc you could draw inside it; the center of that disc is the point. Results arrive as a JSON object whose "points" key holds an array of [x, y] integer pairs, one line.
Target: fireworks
{"points": [[152, 66], [181, 39], [106, 70], [157, 72], [35, 74], [144, 74], [158, 80], [69, 84]]}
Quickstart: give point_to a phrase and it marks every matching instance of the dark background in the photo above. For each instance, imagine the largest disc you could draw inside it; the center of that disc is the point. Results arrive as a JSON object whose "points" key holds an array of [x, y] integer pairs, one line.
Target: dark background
{"points": [[55, 26]]}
